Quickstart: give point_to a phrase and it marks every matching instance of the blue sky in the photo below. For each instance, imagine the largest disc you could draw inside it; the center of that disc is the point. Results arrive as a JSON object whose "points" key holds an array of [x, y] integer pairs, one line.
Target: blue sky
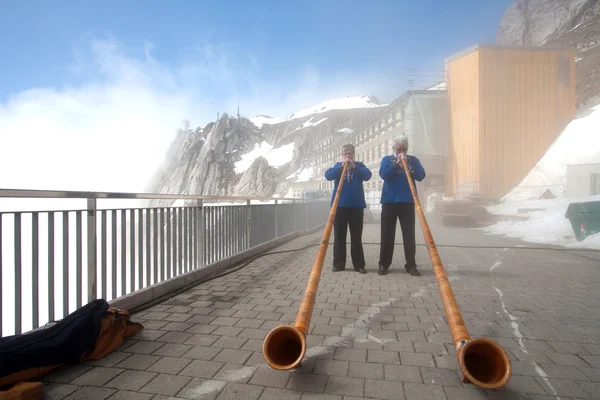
{"points": [[131, 71]]}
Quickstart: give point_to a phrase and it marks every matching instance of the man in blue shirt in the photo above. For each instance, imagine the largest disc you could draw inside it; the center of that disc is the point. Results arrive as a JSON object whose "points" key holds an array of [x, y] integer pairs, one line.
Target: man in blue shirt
{"points": [[350, 210], [397, 204]]}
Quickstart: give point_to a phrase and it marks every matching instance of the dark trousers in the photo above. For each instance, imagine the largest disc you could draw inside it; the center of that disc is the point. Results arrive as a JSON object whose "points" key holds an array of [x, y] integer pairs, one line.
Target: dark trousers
{"points": [[405, 213], [348, 217]]}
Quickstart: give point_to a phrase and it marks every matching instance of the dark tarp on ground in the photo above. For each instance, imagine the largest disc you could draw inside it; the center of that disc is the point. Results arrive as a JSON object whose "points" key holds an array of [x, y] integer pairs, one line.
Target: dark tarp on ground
{"points": [[89, 333]]}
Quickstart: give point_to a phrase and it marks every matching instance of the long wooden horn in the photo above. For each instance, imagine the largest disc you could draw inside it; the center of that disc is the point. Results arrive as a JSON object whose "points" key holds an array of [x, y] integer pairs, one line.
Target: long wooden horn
{"points": [[483, 362], [284, 346]]}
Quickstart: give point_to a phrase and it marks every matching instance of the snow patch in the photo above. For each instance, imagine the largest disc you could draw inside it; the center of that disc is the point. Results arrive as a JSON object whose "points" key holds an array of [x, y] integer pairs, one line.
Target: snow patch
{"points": [[309, 123], [345, 130], [261, 120], [306, 174], [548, 225], [275, 157], [345, 103], [579, 143]]}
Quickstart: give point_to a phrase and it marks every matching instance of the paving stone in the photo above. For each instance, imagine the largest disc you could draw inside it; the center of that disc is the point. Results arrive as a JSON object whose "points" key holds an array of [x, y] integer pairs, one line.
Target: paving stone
{"points": [[223, 313], [168, 385], [235, 373], [417, 359], [567, 347], [177, 326], [233, 356], [280, 394], [563, 387], [256, 359], [169, 365], [344, 354], [131, 380], [366, 344], [331, 367], [448, 361], [592, 373], [270, 377], [202, 319], [138, 361], [228, 342], [199, 339], [593, 361], [151, 324], [97, 376], [201, 389], [255, 345], [144, 347], [366, 370], [110, 360], [240, 391], [203, 329], [91, 393], [417, 391], [567, 359], [58, 391], [562, 371], [345, 386], [326, 330], [322, 396], [201, 369], [455, 393], [436, 376], [405, 347], [433, 348], [402, 373], [387, 357], [174, 337], [67, 373], [249, 323], [202, 352], [379, 389], [127, 395], [337, 341], [591, 388], [524, 384], [307, 382], [173, 350], [228, 331]]}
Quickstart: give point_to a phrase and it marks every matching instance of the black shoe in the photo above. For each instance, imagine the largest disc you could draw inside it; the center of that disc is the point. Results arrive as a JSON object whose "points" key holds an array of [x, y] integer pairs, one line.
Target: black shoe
{"points": [[334, 269], [382, 270], [361, 270], [412, 270]]}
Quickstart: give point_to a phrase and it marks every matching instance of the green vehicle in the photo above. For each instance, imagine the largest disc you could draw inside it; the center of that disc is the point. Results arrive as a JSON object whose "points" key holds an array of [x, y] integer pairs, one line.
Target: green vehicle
{"points": [[584, 218]]}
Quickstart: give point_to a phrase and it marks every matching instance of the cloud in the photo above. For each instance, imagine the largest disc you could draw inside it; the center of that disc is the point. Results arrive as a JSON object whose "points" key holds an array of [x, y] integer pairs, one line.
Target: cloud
{"points": [[110, 130]]}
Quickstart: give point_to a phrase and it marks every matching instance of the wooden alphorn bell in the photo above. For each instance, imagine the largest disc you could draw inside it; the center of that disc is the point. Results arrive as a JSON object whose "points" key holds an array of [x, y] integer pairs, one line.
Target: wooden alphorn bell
{"points": [[284, 346], [482, 361]]}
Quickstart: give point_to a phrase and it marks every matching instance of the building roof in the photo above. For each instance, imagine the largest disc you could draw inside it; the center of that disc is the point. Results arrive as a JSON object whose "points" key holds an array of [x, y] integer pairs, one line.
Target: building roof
{"points": [[476, 47]]}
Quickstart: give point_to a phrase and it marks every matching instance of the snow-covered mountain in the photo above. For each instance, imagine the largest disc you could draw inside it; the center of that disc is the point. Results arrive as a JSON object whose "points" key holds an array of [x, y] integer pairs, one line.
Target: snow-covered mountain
{"points": [[258, 156], [568, 23]]}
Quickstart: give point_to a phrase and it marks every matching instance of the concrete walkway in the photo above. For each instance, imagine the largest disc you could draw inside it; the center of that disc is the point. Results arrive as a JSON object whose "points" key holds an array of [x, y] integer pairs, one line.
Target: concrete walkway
{"points": [[381, 337]]}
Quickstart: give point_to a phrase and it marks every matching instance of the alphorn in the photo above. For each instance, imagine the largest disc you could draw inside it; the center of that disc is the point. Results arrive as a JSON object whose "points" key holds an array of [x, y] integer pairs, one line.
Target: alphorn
{"points": [[284, 346], [482, 361]]}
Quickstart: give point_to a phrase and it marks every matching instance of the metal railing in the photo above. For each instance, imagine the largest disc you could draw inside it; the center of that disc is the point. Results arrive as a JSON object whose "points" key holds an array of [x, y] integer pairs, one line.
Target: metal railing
{"points": [[54, 261]]}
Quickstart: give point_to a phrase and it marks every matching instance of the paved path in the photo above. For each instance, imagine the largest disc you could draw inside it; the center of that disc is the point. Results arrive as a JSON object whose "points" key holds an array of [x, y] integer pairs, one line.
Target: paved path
{"points": [[371, 336]]}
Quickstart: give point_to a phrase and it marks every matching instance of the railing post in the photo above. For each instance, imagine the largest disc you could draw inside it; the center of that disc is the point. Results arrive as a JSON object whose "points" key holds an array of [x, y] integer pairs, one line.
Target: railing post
{"points": [[248, 220], [200, 234], [276, 224], [294, 216], [91, 248], [306, 215]]}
